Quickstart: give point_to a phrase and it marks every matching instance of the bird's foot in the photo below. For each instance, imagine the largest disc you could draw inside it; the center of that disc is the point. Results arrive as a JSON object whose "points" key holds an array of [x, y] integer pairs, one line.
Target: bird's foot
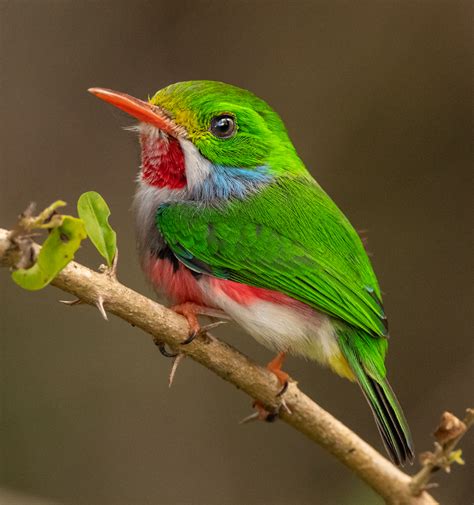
{"points": [[275, 367], [190, 311], [262, 414]]}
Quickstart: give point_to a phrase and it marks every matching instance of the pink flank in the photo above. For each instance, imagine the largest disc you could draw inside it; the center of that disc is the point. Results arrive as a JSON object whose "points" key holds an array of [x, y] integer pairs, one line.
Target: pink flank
{"points": [[181, 286], [178, 286], [247, 295]]}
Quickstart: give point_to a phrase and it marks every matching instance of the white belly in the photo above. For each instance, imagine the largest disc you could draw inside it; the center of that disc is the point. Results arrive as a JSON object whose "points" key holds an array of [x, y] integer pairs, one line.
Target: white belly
{"points": [[306, 333]]}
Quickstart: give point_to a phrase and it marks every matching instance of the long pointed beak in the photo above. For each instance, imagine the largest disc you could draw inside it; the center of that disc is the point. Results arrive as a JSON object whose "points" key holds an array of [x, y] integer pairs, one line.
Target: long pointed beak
{"points": [[143, 111]]}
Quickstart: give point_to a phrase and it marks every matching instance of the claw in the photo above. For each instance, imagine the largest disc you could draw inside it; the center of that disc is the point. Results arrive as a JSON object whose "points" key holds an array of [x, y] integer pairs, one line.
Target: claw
{"points": [[283, 389], [177, 360], [190, 311], [190, 338], [162, 348], [201, 331]]}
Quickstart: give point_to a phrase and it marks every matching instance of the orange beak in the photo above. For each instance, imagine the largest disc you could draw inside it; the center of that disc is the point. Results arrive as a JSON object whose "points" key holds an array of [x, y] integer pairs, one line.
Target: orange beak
{"points": [[143, 111]]}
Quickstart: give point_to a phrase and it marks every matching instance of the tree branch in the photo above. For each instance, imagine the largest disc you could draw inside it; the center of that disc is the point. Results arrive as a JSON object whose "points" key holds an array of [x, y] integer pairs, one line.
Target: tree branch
{"points": [[167, 326]]}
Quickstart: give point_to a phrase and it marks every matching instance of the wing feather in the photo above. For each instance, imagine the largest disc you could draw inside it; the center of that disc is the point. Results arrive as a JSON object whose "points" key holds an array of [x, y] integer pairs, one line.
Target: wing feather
{"points": [[289, 237]]}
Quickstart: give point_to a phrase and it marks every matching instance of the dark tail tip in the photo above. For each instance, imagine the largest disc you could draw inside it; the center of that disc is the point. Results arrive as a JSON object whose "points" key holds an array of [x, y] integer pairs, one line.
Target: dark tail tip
{"points": [[391, 423]]}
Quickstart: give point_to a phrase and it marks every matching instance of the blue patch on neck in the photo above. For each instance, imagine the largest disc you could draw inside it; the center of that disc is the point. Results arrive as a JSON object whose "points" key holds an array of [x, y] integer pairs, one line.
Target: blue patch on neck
{"points": [[231, 182]]}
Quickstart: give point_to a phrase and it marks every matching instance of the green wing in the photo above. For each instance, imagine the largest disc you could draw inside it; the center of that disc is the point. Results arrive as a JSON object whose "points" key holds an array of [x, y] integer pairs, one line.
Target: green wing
{"points": [[289, 237]]}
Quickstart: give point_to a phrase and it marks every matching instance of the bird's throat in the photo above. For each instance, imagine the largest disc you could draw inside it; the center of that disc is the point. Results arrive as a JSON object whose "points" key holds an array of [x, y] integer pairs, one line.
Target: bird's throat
{"points": [[162, 161]]}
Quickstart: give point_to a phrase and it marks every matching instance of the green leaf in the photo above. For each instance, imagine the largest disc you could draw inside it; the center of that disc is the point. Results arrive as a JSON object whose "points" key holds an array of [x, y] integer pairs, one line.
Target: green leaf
{"points": [[95, 213], [57, 251]]}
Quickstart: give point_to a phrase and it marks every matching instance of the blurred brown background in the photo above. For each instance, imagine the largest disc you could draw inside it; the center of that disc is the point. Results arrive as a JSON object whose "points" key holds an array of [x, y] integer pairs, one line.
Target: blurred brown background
{"points": [[376, 96]]}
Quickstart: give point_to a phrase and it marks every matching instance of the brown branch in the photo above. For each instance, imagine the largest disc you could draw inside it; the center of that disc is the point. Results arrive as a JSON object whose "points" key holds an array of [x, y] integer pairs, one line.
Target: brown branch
{"points": [[166, 326]]}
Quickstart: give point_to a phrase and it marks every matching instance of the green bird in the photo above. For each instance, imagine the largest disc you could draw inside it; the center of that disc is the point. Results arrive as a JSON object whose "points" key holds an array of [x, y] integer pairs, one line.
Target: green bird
{"points": [[230, 222]]}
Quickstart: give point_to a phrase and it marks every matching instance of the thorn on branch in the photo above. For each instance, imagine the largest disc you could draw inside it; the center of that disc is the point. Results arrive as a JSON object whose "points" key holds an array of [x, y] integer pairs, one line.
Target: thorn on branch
{"points": [[176, 361], [77, 301], [255, 416], [100, 305], [284, 406]]}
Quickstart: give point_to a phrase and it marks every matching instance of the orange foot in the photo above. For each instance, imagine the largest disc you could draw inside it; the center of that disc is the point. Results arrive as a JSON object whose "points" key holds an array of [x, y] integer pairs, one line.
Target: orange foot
{"points": [[190, 311], [275, 367], [262, 413]]}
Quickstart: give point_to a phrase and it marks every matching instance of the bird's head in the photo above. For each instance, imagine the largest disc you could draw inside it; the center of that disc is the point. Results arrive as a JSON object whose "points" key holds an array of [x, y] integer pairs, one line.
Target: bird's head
{"points": [[199, 133]]}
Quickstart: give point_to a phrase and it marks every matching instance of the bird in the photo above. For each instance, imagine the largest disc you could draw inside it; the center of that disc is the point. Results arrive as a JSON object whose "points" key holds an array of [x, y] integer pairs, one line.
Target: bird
{"points": [[230, 221]]}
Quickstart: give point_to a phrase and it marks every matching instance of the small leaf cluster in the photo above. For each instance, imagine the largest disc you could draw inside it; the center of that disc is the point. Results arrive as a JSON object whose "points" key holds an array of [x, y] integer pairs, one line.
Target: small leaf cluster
{"points": [[65, 236]]}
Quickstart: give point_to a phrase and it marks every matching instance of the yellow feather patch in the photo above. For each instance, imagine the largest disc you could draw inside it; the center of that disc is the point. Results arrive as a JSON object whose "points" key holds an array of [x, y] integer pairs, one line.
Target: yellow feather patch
{"points": [[339, 364]]}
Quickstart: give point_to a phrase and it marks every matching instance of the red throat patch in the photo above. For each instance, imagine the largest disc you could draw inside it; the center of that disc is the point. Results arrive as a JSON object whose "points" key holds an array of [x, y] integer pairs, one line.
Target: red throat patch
{"points": [[162, 162]]}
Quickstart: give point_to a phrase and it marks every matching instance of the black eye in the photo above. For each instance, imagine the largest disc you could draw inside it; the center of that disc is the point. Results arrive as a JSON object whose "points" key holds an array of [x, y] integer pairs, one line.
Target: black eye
{"points": [[223, 126]]}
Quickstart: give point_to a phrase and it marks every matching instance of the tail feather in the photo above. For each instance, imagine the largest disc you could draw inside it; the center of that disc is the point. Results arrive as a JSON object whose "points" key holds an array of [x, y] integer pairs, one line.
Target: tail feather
{"points": [[392, 422], [387, 411]]}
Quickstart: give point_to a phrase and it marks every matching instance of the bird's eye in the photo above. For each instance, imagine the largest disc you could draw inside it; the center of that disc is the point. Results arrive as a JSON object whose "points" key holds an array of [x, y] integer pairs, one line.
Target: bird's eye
{"points": [[223, 126]]}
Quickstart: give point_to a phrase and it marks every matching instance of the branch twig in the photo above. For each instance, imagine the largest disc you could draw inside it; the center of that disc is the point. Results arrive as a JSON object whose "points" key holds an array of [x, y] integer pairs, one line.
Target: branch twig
{"points": [[448, 434], [167, 326]]}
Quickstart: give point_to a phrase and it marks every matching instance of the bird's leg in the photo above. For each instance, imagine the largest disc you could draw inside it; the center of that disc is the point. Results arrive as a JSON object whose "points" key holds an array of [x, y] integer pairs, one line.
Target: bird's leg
{"points": [[262, 413], [275, 367], [190, 311]]}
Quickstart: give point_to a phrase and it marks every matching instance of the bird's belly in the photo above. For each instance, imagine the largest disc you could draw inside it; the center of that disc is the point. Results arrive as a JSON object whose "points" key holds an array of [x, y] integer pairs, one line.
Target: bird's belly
{"points": [[277, 321]]}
